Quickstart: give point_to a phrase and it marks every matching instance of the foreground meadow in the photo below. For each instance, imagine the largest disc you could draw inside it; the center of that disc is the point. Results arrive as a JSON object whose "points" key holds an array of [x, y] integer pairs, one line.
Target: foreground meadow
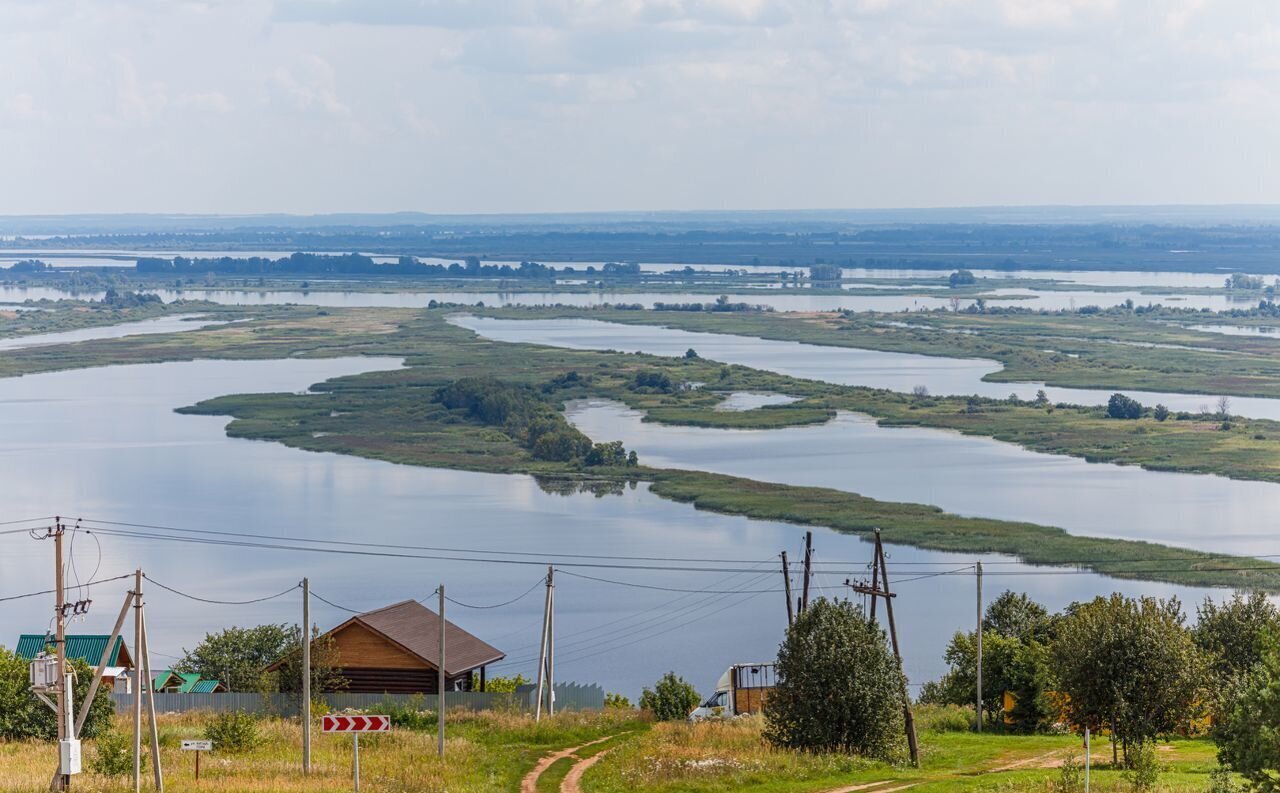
{"points": [[617, 751]]}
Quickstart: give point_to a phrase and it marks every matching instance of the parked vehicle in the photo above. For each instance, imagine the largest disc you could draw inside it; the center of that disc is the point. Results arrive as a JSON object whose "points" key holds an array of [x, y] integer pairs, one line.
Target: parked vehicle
{"points": [[742, 690]]}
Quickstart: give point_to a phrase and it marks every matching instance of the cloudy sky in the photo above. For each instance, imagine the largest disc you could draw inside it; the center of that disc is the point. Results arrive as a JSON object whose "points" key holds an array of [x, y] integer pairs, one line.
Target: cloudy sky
{"points": [[550, 105]]}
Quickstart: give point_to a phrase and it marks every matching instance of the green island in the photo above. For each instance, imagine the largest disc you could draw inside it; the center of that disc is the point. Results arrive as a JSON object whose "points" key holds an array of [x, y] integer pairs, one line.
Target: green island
{"points": [[394, 416]]}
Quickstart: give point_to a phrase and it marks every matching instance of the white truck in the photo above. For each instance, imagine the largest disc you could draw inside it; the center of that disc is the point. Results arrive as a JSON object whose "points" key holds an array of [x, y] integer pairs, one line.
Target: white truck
{"points": [[742, 690]]}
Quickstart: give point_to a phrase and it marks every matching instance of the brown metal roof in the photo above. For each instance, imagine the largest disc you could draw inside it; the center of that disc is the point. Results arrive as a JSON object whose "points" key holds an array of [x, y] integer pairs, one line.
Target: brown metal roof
{"points": [[416, 628]]}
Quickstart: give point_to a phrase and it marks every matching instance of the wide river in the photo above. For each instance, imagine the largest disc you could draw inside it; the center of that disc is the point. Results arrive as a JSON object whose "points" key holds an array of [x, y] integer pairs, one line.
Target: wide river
{"points": [[105, 444], [894, 371], [777, 299]]}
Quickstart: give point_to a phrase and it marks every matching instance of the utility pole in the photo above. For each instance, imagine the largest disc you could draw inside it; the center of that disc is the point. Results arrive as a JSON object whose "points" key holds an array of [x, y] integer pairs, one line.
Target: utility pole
{"points": [[151, 708], [137, 681], [306, 676], [542, 646], [808, 570], [786, 587], [62, 781], [551, 649], [440, 704], [880, 575], [978, 567]]}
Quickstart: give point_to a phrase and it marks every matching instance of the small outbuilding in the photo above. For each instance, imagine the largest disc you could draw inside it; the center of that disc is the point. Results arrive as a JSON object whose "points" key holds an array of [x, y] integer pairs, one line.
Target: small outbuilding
{"points": [[396, 650]]}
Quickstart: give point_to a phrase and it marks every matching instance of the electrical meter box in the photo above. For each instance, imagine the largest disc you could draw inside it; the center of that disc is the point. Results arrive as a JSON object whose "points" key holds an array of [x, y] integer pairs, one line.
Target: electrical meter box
{"points": [[44, 672], [69, 756]]}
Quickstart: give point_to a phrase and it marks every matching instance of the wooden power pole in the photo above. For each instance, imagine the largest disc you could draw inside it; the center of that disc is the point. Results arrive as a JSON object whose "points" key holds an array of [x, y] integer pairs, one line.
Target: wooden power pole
{"points": [[880, 589], [786, 588], [808, 570]]}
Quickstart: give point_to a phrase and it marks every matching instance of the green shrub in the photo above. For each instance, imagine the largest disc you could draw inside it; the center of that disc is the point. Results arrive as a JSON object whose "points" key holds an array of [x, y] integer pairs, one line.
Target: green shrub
{"points": [[410, 715], [1221, 781], [944, 718], [113, 755], [1144, 767], [672, 698], [1070, 776], [23, 716], [232, 732], [612, 700], [839, 687]]}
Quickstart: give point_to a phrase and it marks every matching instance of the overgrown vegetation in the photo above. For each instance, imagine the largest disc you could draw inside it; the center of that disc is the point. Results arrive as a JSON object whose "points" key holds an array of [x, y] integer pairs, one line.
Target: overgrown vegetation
{"points": [[671, 698]]}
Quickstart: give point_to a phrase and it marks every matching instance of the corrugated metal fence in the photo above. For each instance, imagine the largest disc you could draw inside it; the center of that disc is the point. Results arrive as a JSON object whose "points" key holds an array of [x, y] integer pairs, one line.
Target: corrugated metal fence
{"points": [[569, 696]]}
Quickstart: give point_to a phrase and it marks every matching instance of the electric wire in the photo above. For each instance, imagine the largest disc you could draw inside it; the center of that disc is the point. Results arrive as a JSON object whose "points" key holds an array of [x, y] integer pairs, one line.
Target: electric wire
{"points": [[221, 602], [7, 598], [515, 599]]}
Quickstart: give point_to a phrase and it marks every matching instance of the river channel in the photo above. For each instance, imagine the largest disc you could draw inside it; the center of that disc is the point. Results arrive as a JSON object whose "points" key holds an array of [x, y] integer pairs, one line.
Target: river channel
{"points": [[105, 444]]}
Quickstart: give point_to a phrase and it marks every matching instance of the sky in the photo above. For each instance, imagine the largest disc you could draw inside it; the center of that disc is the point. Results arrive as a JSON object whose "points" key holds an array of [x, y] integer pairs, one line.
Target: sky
{"points": [[306, 106]]}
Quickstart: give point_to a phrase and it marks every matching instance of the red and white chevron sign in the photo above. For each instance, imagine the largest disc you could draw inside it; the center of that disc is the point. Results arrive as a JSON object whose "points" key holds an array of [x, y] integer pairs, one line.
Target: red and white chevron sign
{"points": [[331, 723]]}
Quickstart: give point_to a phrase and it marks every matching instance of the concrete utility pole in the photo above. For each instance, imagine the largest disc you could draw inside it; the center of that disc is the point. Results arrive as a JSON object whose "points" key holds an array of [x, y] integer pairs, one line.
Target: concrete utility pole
{"points": [[542, 646], [440, 705], [306, 676], [978, 567], [61, 781], [137, 681], [551, 651]]}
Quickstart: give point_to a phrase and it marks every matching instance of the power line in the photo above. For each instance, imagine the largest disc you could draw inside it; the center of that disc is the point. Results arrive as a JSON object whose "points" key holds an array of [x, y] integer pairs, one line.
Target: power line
{"points": [[53, 591], [335, 605], [519, 597], [221, 602]]}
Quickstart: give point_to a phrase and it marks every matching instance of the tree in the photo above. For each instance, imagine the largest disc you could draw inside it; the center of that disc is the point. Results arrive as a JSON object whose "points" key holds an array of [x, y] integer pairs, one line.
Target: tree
{"points": [[23, 716], [1123, 407], [1017, 616], [825, 272], [961, 278], [690, 353], [1246, 732], [1042, 398], [1233, 636], [671, 699], [839, 687], [1126, 665], [1161, 413], [1224, 407], [326, 675], [238, 657], [920, 391]]}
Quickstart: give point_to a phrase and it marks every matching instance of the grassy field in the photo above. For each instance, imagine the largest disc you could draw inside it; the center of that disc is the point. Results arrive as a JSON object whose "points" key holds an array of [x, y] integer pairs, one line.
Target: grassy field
{"points": [[731, 756], [493, 752], [484, 752]]}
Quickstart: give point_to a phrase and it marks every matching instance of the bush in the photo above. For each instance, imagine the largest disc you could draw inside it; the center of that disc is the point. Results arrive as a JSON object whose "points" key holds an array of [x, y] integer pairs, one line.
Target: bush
{"points": [[411, 715], [612, 700], [1123, 407], [113, 755], [1250, 718], [1144, 767], [672, 698], [839, 688], [1070, 776], [1161, 413], [1220, 781], [232, 732], [23, 716]]}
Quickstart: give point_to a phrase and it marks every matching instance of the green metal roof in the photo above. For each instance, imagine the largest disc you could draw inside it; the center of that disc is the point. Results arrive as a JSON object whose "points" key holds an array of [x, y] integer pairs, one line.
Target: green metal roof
{"points": [[183, 682], [204, 687], [87, 648]]}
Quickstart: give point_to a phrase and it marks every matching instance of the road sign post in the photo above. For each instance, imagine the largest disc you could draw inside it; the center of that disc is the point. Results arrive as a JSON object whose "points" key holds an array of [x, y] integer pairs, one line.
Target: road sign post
{"points": [[197, 747], [355, 725]]}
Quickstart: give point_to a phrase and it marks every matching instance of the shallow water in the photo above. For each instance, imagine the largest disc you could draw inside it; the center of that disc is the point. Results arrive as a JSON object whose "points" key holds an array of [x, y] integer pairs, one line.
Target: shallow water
{"points": [[171, 324], [900, 372], [105, 444]]}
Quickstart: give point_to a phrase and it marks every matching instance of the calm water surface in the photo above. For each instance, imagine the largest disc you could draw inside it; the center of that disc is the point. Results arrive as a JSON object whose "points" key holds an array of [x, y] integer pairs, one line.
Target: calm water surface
{"points": [[105, 443], [966, 475], [844, 365], [171, 324]]}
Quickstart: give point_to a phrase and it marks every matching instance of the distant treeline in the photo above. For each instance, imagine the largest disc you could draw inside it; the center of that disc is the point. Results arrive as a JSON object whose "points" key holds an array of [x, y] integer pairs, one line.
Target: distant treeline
{"points": [[360, 264]]}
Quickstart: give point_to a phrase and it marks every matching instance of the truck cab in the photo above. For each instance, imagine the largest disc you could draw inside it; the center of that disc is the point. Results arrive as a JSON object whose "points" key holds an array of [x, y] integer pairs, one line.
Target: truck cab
{"points": [[741, 691]]}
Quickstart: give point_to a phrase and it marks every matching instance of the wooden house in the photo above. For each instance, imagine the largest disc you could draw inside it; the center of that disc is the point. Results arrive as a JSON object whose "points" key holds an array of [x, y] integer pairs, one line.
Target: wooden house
{"points": [[396, 650]]}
